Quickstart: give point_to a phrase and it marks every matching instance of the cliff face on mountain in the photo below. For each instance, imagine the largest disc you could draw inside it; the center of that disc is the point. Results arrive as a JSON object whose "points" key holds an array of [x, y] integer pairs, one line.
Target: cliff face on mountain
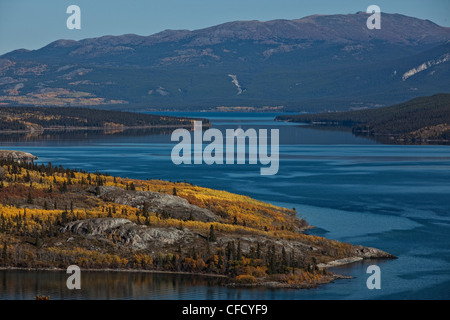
{"points": [[320, 62]]}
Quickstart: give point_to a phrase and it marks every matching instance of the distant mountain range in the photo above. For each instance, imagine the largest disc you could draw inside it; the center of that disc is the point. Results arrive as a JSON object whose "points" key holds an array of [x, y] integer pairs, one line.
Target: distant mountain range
{"points": [[317, 63]]}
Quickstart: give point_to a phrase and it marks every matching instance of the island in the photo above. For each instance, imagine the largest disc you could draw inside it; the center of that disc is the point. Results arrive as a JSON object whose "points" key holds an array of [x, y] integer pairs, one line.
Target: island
{"points": [[423, 120], [52, 217]]}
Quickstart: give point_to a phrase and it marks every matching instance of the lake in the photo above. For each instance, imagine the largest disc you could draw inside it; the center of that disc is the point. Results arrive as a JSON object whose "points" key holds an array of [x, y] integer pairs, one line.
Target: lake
{"points": [[352, 189]]}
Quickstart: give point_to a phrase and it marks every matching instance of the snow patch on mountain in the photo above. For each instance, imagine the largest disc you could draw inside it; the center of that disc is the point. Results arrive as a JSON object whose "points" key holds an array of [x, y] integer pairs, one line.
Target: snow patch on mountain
{"points": [[236, 83], [160, 90], [425, 66]]}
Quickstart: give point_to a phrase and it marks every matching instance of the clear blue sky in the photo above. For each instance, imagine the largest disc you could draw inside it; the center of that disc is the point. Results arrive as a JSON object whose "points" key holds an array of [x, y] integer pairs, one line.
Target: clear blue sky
{"points": [[31, 24]]}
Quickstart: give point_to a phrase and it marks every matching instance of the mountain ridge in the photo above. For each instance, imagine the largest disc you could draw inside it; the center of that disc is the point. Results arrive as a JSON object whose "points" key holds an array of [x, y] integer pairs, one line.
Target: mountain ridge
{"points": [[300, 64], [237, 26]]}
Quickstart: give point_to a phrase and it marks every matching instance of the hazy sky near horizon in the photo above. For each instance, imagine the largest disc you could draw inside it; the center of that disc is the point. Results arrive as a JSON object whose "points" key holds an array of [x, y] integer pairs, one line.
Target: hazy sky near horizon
{"points": [[31, 24]]}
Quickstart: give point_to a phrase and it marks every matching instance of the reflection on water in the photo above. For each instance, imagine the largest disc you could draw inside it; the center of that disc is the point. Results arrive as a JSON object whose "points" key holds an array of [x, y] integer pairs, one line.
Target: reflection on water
{"points": [[384, 139], [80, 135], [18, 284]]}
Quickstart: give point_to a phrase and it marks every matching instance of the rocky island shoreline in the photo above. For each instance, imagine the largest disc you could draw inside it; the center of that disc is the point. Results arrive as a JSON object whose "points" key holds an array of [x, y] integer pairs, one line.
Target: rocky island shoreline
{"points": [[16, 156], [53, 217]]}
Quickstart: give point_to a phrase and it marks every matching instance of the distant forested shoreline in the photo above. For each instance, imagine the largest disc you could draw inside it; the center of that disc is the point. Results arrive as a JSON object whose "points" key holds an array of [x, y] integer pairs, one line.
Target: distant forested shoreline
{"points": [[40, 118], [420, 120]]}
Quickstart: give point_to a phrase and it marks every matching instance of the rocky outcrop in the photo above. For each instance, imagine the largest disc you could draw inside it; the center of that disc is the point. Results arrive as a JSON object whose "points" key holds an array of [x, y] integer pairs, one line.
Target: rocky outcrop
{"points": [[339, 262], [360, 253], [172, 206], [93, 227], [125, 232], [372, 253], [17, 156]]}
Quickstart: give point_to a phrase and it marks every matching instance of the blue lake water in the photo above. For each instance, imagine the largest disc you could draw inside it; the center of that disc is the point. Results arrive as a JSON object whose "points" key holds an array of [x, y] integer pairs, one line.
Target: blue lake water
{"points": [[396, 198]]}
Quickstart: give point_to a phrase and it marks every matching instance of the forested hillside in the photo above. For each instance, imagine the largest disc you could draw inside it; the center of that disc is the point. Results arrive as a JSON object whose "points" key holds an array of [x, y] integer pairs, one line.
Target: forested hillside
{"points": [[27, 118], [54, 217], [316, 63], [421, 119]]}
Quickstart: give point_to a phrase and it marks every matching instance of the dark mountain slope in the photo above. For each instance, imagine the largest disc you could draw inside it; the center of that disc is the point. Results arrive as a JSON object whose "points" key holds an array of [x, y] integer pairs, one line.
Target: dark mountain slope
{"points": [[313, 63]]}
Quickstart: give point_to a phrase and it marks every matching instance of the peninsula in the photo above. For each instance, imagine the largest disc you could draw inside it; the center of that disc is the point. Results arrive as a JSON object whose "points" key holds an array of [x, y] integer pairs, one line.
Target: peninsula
{"points": [[34, 119], [52, 217], [418, 121]]}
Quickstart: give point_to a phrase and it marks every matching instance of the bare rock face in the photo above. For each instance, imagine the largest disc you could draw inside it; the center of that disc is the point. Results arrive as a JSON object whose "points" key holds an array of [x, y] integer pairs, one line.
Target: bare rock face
{"points": [[125, 232], [17, 156], [173, 206], [372, 253], [140, 237], [93, 227], [360, 253]]}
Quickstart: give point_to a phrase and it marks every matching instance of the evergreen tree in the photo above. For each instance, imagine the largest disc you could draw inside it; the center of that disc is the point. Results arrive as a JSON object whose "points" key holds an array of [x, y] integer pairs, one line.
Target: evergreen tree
{"points": [[5, 251], [239, 251], [64, 187], [64, 216], [30, 198], [258, 251], [271, 260], [27, 177], [230, 251], [145, 209], [212, 234], [220, 261], [38, 241], [3, 224]]}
